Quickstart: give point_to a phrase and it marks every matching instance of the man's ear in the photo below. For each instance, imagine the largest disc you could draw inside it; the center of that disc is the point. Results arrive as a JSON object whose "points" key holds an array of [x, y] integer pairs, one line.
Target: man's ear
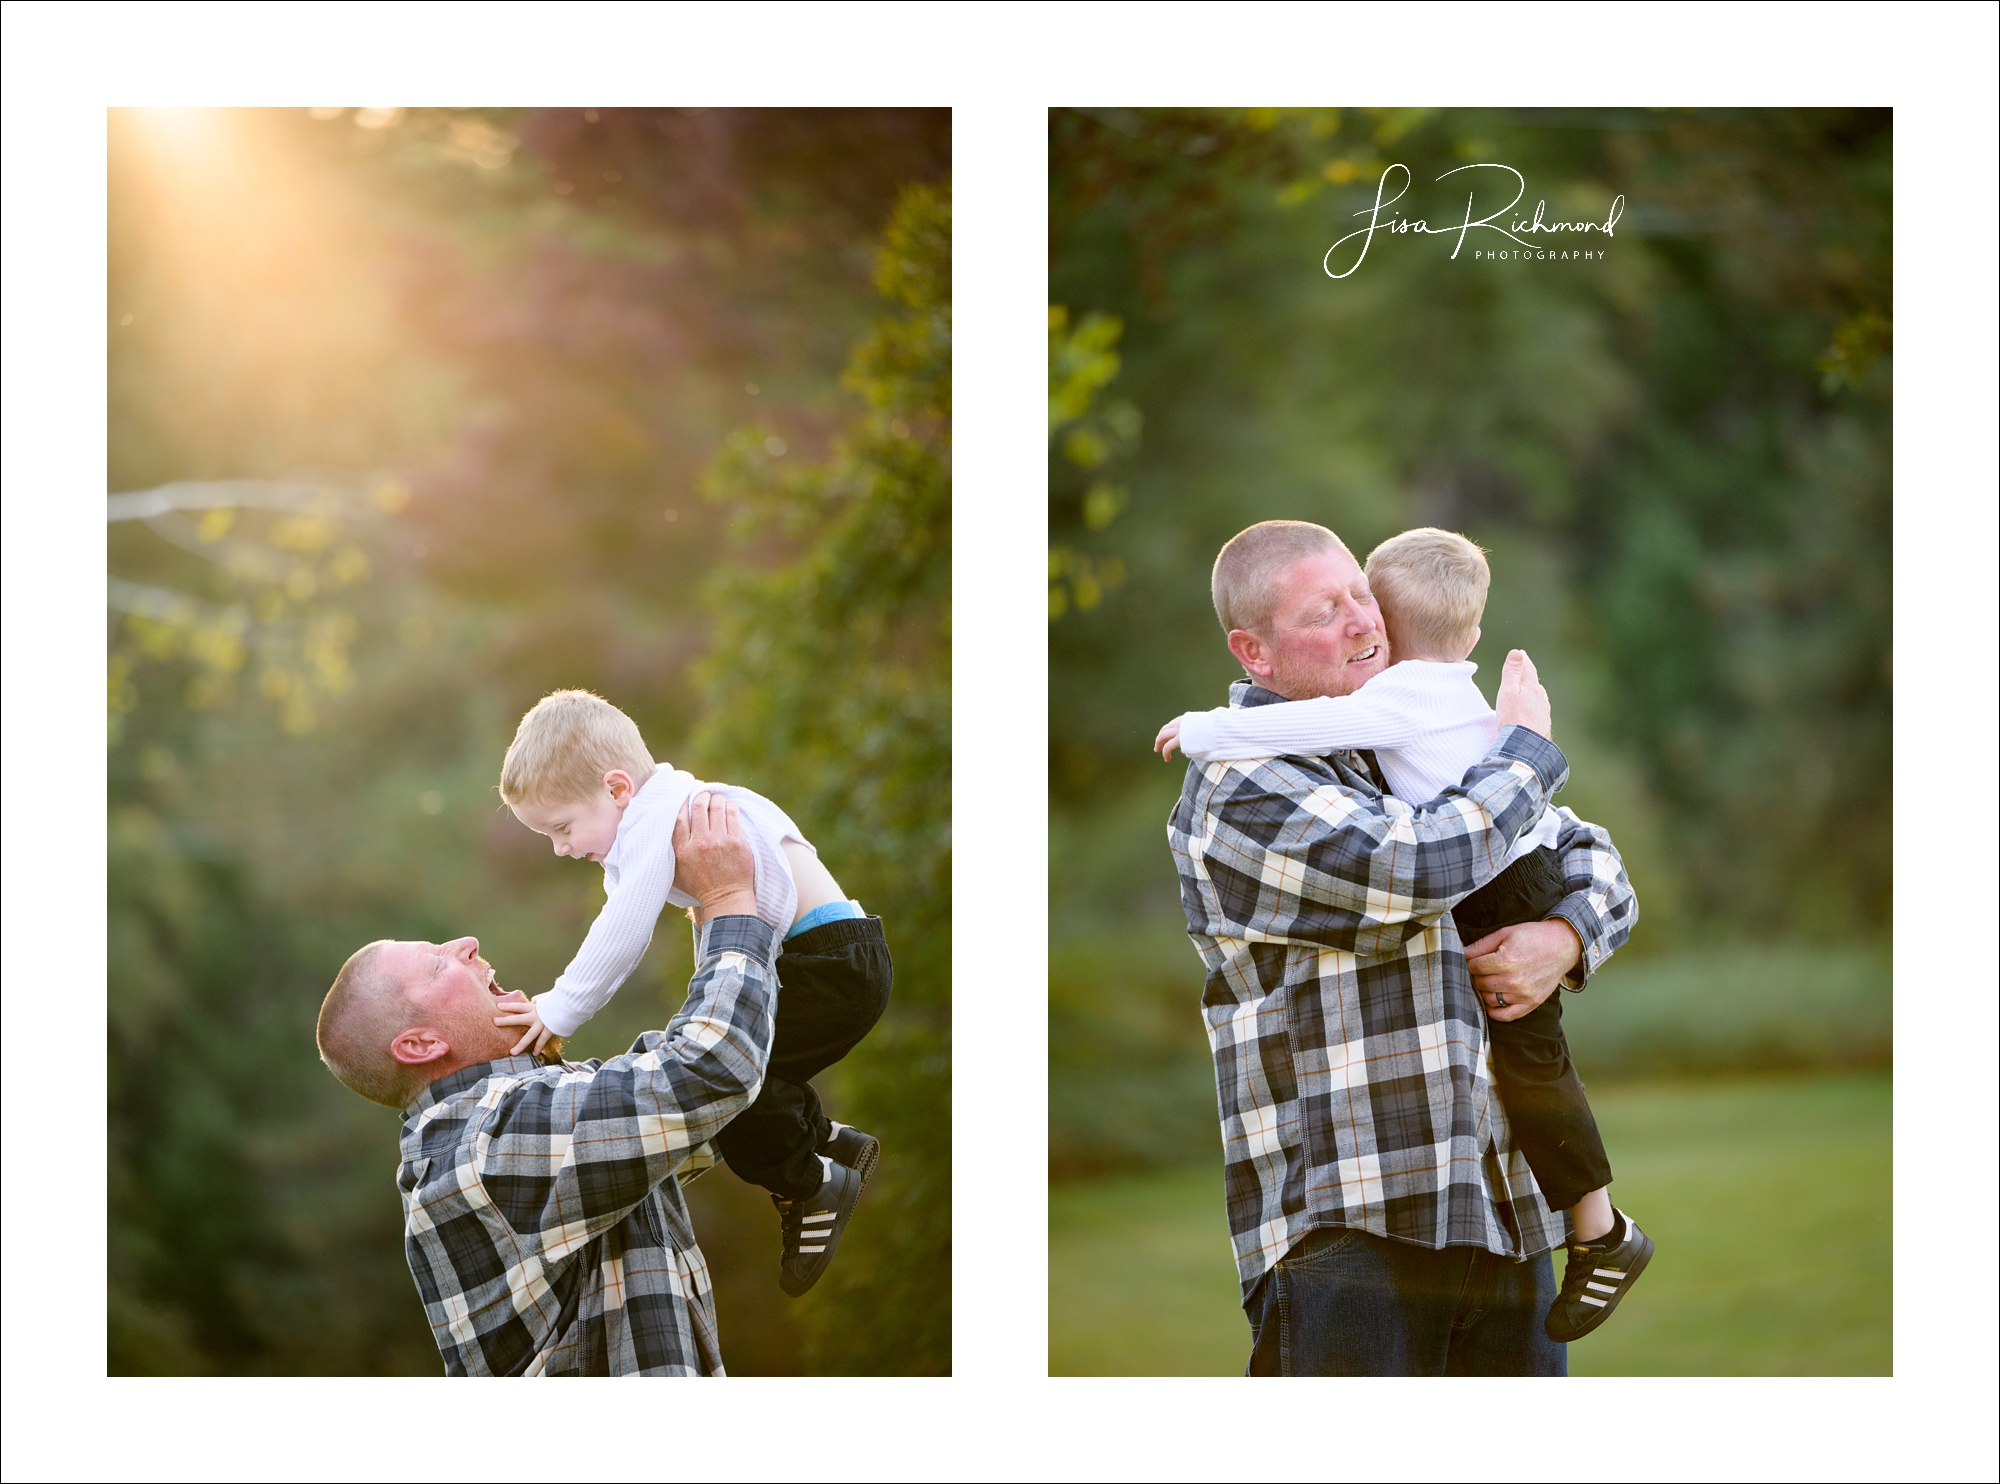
{"points": [[619, 782], [1251, 652], [417, 1045]]}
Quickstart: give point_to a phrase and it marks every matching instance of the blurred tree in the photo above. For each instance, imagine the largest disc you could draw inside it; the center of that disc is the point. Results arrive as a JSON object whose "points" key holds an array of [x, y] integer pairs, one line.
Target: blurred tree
{"points": [[296, 297], [1700, 430], [828, 687], [1082, 362], [1678, 457]]}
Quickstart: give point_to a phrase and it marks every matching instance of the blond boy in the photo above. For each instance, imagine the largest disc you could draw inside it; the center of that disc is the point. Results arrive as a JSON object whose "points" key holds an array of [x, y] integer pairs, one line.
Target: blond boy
{"points": [[579, 772]]}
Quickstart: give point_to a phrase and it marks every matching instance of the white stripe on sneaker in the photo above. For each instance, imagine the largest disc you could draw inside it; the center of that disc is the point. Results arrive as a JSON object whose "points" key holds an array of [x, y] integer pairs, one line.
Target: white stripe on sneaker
{"points": [[812, 1249], [1599, 1302], [1602, 1287], [1608, 1272]]}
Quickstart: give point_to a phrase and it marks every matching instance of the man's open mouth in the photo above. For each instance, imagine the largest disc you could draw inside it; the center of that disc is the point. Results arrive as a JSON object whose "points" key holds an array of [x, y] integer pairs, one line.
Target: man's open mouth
{"points": [[1366, 655]]}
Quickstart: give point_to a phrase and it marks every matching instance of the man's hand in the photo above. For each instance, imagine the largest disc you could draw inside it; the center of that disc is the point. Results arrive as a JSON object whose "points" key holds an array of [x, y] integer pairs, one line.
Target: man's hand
{"points": [[1515, 968], [535, 1037], [1522, 702], [712, 860], [1168, 740]]}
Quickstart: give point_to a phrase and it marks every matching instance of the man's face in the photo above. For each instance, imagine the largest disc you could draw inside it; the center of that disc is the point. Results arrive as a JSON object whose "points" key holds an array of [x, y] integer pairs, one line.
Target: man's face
{"points": [[585, 829], [452, 991], [1326, 636]]}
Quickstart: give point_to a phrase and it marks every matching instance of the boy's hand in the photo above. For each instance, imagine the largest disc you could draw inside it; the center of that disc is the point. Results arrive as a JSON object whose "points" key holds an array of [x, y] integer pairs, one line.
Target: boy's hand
{"points": [[1522, 702], [1168, 740], [536, 1036]]}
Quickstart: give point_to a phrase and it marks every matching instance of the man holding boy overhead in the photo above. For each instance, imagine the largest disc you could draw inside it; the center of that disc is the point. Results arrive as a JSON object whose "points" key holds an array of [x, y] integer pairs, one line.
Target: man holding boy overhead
{"points": [[543, 1213]]}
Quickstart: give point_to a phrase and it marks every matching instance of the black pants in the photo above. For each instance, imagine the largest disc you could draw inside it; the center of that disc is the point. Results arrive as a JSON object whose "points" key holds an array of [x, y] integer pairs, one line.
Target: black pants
{"points": [[833, 984], [1553, 1126]]}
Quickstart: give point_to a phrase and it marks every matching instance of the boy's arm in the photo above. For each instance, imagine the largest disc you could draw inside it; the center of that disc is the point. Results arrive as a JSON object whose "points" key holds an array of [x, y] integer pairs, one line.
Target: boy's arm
{"points": [[1371, 717], [618, 939]]}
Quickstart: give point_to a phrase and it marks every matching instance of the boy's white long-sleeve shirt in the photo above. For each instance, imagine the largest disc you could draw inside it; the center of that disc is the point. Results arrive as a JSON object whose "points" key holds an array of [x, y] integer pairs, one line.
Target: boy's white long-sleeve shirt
{"points": [[1425, 720], [639, 883]]}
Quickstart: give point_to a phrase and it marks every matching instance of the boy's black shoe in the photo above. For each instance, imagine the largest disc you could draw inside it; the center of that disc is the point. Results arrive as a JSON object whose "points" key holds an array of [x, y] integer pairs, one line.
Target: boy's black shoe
{"points": [[1599, 1274], [847, 1145], [811, 1227]]}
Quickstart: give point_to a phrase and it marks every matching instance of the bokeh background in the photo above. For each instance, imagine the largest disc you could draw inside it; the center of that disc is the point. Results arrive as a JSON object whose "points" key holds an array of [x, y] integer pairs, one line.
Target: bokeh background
{"points": [[414, 416], [1678, 459]]}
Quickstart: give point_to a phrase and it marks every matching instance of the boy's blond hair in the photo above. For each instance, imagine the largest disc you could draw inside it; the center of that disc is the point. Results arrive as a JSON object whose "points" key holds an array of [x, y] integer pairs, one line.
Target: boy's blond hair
{"points": [[1431, 586], [1243, 584], [565, 745]]}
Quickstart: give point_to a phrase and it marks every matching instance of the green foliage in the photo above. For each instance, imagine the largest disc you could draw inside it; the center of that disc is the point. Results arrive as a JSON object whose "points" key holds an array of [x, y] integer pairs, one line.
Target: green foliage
{"points": [[547, 371], [828, 687], [1082, 362], [1677, 456], [1697, 426]]}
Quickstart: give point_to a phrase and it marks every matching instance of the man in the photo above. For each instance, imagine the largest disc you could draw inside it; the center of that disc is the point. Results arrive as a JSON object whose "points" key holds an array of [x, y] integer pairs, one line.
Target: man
{"points": [[542, 1206], [1383, 1222]]}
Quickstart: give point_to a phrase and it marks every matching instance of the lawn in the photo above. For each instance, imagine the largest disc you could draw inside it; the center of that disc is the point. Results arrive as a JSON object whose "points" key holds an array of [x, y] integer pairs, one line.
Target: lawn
{"points": [[1769, 1198]]}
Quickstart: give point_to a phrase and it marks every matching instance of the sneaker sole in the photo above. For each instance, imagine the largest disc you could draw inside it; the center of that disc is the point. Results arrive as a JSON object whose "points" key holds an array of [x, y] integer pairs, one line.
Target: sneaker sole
{"points": [[1632, 1271], [865, 1166], [842, 1213]]}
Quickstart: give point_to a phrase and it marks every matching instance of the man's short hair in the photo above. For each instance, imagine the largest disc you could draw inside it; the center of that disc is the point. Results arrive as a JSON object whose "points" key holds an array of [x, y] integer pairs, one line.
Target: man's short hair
{"points": [[1431, 586], [1244, 584], [565, 745], [363, 1012]]}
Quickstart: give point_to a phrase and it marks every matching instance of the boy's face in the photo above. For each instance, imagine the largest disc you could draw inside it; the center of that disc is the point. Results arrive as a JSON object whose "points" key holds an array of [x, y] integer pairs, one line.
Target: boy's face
{"points": [[584, 828]]}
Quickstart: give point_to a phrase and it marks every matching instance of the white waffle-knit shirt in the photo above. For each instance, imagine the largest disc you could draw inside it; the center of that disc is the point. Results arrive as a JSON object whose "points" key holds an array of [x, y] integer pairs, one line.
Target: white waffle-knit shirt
{"points": [[639, 882], [1425, 720]]}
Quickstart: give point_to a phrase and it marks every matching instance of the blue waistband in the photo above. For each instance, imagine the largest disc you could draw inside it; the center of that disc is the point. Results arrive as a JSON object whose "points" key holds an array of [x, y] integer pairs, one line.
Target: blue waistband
{"points": [[821, 916]]}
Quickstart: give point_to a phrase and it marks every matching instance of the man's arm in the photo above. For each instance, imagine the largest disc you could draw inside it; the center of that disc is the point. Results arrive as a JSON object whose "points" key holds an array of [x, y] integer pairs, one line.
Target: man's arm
{"points": [[616, 1133], [1317, 863]]}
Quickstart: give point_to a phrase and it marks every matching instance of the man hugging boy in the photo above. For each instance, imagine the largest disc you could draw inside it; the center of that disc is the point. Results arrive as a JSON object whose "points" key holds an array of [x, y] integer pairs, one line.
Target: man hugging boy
{"points": [[579, 772], [1428, 724]]}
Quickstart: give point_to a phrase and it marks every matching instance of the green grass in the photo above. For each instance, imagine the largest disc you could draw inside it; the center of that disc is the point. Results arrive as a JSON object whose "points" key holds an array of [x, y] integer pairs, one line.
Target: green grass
{"points": [[1769, 1199]]}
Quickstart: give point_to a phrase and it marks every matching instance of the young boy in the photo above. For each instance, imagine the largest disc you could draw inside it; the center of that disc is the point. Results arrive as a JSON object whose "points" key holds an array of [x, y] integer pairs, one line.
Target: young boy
{"points": [[579, 772], [1428, 724]]}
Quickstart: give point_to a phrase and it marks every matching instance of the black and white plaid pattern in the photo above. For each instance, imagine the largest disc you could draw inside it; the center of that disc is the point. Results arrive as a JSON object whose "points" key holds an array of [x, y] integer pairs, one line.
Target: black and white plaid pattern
{"points": [[1351, 1063], [543, 1215]]}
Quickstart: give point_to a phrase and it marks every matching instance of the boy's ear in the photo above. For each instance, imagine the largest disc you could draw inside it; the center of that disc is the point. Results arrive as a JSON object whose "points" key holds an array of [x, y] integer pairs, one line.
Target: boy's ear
{"points": [[619, 782], [1474, 644]]}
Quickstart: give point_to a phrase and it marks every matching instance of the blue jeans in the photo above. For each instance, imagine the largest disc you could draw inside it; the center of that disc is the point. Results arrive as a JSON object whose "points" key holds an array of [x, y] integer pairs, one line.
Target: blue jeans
{"points": [[1344, 1302]]}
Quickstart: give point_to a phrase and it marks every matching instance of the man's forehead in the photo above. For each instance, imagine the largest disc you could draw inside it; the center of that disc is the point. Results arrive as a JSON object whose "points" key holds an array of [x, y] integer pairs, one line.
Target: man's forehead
{"points": [[402, 953], [1320, 572]]}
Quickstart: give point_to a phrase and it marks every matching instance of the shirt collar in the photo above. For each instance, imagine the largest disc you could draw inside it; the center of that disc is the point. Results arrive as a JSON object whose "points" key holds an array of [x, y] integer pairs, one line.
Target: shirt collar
{"points": [[1247, 692], [453, 1083]]}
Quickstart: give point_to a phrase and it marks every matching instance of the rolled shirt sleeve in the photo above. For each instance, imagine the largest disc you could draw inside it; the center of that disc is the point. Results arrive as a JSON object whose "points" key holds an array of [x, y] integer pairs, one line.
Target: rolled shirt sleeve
{"points": [[1598, 900]]}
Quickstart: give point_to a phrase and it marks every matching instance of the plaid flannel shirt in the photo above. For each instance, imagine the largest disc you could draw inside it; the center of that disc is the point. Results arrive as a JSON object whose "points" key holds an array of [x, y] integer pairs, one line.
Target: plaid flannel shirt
{"points": [[542, 1207], [1351, 1062]]}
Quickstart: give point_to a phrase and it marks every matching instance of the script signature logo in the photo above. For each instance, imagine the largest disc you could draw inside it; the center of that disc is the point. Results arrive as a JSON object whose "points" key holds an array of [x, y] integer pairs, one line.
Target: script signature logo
{"points": [[1378, 222]]}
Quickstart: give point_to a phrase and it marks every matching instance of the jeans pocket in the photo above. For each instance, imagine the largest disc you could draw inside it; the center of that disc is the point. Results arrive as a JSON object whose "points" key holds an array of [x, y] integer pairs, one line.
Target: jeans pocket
{"points": [[1318, 1251]]}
